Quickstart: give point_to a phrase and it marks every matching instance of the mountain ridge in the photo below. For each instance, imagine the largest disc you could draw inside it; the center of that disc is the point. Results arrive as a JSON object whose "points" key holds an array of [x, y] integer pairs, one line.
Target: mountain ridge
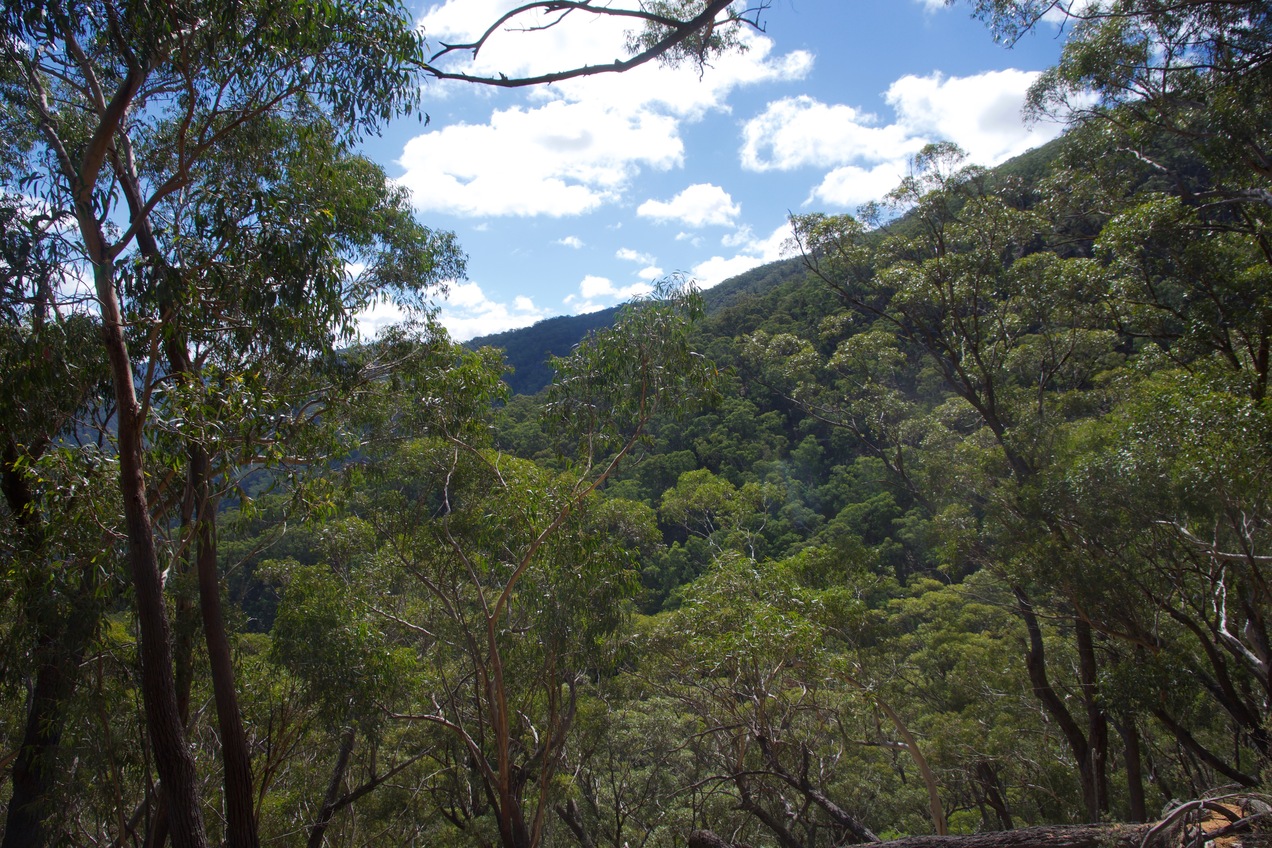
{"points": [[527, 350]]}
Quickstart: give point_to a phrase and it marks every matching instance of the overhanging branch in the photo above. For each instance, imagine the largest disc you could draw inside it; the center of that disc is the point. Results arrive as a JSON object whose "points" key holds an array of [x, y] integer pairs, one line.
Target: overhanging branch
{"points": [[678, 32]]}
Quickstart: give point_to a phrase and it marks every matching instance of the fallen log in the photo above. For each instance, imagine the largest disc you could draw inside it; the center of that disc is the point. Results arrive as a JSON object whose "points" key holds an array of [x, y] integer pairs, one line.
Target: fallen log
{"points": [[1046, 836], [1227, 821], [1043, 836]]}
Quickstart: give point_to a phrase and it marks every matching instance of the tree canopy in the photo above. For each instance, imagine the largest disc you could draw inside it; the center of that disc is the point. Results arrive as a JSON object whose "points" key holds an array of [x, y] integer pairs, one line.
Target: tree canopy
{"points": [[953, 526]]}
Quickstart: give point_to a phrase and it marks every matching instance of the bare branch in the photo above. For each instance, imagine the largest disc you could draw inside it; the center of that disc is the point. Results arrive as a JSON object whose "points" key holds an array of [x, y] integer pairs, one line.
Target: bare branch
{"points": [[679, 31]]}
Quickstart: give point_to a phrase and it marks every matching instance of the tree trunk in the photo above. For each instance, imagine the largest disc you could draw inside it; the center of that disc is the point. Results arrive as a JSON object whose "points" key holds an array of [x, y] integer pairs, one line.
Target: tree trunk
{"points": [[173, 759], [573, 818], [1134, 769], [240, 822], [329, 800], [986, 777], [35, 768], [59, 650], [1036, 664], [1097, 722]]}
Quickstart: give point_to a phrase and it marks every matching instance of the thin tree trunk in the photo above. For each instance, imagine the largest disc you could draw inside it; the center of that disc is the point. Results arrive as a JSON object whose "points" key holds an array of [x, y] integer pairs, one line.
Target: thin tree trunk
{"points": [[1134, 769], [1036, 664], [173, 759], [991, 790], [158, 686], [240, 821], [1097, 722], [329, 800], [1204, 754], [61, 651], [573, 818], [747, 803]]}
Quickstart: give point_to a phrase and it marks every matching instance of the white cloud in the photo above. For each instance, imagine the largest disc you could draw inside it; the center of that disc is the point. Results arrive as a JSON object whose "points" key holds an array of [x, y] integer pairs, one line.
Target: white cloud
{"points": [[571, 241], [697, 206], [717, 269], [593, 286], [579, 143], [743, 235], [582, 39], [799, 131], [377, 317], [651, 273], [1061, 13], [467, 312], [866, 157], [629, 255], [600, 292], [556, 159], [980, 113], [850, 185]]}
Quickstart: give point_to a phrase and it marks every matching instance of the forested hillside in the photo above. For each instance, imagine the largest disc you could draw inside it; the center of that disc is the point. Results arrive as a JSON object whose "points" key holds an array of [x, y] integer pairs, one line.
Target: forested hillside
{"points": [[958, 524], [528, 351]]}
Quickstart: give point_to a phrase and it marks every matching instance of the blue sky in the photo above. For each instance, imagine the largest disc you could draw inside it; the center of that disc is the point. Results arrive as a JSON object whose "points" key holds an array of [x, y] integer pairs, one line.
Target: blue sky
{"points": [[577, 196]]}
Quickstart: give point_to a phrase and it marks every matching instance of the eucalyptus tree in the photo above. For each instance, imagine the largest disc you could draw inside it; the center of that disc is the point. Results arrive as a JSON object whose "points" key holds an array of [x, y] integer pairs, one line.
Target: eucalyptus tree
{"points": [[1182, 90], [505, 579], [61, 576], [129, 102], [1018, 336], [1194, 72], [252, 293], [116, 89]]}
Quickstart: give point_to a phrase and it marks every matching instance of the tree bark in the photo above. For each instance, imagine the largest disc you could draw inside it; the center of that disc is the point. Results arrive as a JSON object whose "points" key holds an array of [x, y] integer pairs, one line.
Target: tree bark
{"points": [[986, 777], [1134, 769], [573, 818], [163, 720], [332, 796], [1053, 836], [240, 821], [60, 644], [1036, 664], [1097, 722], [849, 824], [173, 758]]}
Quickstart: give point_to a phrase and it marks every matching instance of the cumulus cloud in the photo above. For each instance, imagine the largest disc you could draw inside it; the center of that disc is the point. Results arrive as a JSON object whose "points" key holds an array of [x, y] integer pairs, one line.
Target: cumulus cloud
{"points": [[467, 312], [650, 272], [571, 241], [578, 144], [1059, 14], [597, 292], [796, 132], [556, 159], [1062, 13], [698, 205], [980, 113], [758, 251], [851, 185], [866, 157], [629, 255], [577, 40]]}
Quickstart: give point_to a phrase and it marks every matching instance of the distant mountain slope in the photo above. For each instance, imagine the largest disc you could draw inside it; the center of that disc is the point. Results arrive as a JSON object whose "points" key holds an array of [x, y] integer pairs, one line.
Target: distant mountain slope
{"points": [[527, 350], [735, 303]]}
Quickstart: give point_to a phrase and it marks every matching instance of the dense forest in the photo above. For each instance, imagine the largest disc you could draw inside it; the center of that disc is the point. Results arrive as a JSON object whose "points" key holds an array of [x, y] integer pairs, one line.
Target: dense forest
{"points": [[950, 529]]}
